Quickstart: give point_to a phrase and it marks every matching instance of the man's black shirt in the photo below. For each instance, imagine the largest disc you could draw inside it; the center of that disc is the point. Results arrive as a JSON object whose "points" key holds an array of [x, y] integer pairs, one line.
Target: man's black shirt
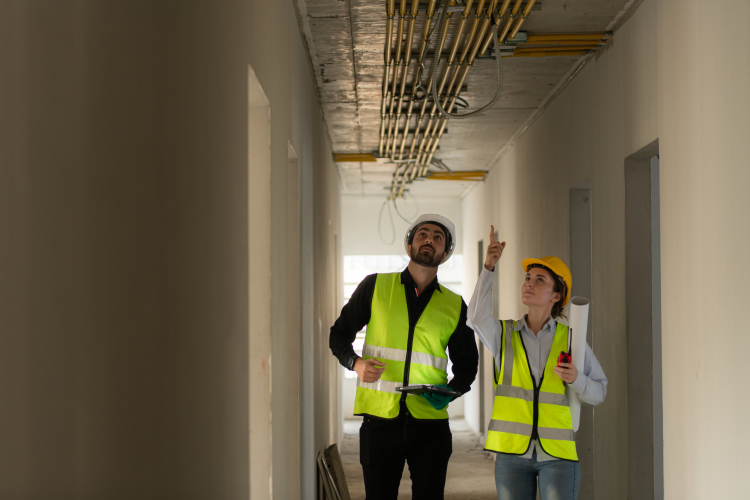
{"points": [[462, 348]]}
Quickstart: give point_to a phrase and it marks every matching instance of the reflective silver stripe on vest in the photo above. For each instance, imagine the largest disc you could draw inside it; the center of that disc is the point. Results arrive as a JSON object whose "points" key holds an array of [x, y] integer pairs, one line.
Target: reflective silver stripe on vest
{"points": [[557, 434], [508, 362], [384, 352], [510, 391], [421, 358], [380, 385], [526, 429], [510, 427], [549, 398]]}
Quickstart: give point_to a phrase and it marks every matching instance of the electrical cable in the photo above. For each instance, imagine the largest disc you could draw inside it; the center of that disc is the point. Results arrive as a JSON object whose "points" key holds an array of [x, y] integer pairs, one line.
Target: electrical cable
{"points": [[499, 74], [399, 212], [393, 226]]}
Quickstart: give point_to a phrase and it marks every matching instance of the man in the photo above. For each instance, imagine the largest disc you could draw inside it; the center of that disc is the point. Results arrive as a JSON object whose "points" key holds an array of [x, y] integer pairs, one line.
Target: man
{"points": [[411, 322]]}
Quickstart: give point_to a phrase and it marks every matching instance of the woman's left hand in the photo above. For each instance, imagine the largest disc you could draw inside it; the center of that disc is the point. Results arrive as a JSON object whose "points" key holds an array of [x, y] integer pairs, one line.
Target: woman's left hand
{"points": [[567, 371]]}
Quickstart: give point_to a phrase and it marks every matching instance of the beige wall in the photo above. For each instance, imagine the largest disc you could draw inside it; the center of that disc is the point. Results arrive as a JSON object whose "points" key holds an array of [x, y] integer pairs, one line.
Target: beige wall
{"points": [[665, 78], [124, 246]]}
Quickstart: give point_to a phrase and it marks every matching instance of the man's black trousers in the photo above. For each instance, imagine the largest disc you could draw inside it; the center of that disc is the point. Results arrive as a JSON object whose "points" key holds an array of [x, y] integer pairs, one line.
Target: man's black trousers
{"points": [[384, 445]]}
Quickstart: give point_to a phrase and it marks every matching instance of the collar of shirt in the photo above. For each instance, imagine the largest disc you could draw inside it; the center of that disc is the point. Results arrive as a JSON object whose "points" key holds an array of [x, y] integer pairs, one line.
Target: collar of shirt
{"points": [[406, 279], [547, 329]]}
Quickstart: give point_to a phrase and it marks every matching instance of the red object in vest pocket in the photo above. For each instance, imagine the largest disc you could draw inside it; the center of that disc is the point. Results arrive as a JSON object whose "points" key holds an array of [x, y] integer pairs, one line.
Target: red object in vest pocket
{"points": [[564, 358]]}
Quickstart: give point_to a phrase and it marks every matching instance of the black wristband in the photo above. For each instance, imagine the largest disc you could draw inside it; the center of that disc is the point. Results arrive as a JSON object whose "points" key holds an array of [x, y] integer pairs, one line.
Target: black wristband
{"points": [[352, 360]]}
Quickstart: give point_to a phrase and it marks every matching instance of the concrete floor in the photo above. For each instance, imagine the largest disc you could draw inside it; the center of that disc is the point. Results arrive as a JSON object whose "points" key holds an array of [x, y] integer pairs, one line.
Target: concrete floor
{"points": [[470, 471]]}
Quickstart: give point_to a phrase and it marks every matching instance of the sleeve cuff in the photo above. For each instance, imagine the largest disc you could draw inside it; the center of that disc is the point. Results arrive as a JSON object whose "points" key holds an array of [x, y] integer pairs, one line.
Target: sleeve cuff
{"points": [[350, 363], [580, 383]]}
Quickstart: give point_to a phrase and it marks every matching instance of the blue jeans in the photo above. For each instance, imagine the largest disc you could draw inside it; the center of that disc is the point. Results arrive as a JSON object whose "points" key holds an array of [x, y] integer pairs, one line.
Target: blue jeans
{"points": [[515, 478]]}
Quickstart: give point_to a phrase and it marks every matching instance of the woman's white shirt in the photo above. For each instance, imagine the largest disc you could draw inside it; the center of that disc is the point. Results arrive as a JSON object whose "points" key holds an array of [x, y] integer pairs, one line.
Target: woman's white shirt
{"points": [[591, 384]]}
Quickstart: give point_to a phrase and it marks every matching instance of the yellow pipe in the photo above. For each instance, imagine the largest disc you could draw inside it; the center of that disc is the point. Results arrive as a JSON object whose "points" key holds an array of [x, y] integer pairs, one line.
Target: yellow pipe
{"points": [[434, 140], [353, 157], [542, 45], [399, 44], [417, 75], [509, 22], [390, 11], [551, 53], [472, 175], [430, 146], [567, 36], [405, 69], [553, 49], [467, 47], [524, 15], [433, 71]]}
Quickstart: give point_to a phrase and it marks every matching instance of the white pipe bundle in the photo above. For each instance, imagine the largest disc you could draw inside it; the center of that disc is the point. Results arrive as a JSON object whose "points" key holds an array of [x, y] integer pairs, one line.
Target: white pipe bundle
{"points": [[579, 318]]}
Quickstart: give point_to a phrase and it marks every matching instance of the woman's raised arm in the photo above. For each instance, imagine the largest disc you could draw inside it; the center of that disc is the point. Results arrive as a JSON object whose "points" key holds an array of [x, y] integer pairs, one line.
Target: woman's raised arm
{"points": [[479, 315]]}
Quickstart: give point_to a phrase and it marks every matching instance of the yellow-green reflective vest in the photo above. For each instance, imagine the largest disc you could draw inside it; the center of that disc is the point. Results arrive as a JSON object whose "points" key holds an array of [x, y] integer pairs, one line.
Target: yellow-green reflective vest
{"points": [[387, 338], [522, 411]]}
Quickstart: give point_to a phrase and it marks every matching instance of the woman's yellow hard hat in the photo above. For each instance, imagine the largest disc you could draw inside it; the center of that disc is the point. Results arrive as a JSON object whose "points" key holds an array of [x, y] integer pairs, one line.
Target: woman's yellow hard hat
{"points": [[557, 266]]}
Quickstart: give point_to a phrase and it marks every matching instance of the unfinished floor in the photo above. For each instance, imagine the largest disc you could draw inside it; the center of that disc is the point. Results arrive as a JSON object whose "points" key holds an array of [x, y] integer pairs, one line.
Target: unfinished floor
{"points": [[470, 471]]}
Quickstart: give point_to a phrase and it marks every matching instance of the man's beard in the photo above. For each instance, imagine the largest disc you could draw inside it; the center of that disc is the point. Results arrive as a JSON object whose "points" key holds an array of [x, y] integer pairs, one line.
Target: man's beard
{"points": [[425, 260]]}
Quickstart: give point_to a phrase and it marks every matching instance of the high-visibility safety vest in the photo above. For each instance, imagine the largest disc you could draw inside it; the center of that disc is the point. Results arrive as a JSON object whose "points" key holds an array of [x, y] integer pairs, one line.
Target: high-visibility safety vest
{"points": [[387, 340], [522, 411]]}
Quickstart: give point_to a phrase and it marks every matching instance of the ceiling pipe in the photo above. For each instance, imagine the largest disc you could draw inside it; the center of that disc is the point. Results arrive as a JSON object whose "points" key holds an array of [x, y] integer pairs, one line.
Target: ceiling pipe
{"points": [[399, 44], [433, 69], [404, 71], [550, 53], [452, 57], [414, 86], [423, 107], [390, 11], [567, 37], [522, 50], [469, 63], [520, 21], [428, 128], [508, 24]]}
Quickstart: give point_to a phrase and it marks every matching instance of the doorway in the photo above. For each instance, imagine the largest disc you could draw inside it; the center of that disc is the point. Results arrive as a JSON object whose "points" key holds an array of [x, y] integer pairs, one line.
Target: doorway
{"points": [[580, 267], [643, 297]]}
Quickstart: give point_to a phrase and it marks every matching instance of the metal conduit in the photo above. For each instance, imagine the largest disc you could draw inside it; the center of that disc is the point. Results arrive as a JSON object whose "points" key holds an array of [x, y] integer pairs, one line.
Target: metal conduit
{"points": [[452, 55], [469, 64], [441, 45], [414, 88], [427, 134], [429, 151], [404, 71], [509, 22], [399, 43], [387, 59], [477, 42], [524, 15], [423, 107]]}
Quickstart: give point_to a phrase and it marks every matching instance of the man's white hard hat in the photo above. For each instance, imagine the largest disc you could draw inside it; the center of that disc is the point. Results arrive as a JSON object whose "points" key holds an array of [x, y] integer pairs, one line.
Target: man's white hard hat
{"points": [[434, 218]]}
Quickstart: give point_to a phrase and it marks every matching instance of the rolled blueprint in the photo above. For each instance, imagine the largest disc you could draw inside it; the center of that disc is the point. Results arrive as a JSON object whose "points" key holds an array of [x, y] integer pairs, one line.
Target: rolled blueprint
{"points": [[579, 318]]}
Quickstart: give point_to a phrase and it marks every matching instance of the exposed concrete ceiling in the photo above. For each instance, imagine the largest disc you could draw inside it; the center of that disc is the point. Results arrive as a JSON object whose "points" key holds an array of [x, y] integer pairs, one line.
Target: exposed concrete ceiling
{"points": [[346, 42]]}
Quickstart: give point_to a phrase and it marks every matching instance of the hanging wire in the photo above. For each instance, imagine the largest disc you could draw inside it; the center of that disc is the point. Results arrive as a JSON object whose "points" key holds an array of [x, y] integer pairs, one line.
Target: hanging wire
{"points": [[401, 215], [393, 226]]}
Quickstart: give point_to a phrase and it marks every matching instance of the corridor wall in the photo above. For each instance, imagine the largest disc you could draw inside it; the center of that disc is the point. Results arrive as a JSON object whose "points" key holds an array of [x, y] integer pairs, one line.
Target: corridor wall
{"points": [[657, 80], [124, 351]]}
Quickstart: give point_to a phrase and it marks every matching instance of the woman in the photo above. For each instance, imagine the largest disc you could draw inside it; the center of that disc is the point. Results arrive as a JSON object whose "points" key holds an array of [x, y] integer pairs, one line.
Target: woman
{"points": [[531, 428]]}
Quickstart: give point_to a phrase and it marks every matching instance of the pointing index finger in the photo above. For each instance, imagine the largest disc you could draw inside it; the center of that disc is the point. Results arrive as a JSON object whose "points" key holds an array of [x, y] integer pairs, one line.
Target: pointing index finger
{"points": [[492, 234]]}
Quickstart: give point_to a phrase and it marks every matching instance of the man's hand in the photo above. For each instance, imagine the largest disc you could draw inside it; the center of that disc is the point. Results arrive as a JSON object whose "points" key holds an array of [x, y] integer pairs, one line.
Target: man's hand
{"points": [[567, 371], [369, 370], [494, 251]]}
